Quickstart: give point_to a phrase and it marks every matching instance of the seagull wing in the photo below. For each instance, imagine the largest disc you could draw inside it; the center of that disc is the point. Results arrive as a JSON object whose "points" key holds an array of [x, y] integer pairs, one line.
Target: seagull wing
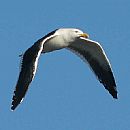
{"points": [[28, 69], [27, 73], [93, 53]]}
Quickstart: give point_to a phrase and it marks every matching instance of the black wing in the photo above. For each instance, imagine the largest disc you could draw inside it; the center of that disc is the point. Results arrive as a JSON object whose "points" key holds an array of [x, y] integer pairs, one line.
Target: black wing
{"points": [[28, 68], [27, 73], [93, 53]]}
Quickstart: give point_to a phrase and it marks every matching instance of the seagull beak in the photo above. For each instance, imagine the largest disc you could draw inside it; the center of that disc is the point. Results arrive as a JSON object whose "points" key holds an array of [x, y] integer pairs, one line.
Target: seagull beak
{"points": [[85, 35]]}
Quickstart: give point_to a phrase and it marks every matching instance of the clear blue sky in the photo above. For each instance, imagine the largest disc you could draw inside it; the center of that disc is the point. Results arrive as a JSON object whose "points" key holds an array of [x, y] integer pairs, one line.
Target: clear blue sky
{"points": [[65, 95]]}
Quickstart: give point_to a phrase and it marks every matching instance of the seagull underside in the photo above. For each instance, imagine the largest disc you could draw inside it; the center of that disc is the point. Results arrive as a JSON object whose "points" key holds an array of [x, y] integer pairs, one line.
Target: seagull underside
{"points": [[78, 42]]}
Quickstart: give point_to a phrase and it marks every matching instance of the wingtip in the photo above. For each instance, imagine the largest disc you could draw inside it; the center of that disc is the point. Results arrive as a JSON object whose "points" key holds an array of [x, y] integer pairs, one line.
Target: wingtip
{"points": [[12, 108], [115, 97], [15, 103], [114, 94]]}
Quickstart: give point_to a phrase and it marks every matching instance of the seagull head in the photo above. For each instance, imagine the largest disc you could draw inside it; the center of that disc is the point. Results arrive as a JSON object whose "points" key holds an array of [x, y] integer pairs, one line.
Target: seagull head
{"points": [[71, 34], [78, 33]]}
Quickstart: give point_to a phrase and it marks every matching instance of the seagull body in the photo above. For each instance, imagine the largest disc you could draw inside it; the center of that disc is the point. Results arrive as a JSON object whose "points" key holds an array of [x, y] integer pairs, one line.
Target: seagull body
{"points": [[62, 38], [74, 40]]}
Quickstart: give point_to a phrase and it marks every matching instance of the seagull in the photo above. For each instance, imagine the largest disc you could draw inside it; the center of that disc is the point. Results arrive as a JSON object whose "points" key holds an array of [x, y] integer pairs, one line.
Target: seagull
{"points": [[76, 41]]}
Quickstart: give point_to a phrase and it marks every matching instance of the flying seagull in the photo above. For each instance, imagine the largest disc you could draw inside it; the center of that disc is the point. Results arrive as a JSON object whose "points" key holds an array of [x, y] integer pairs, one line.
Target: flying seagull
{"points": [[74, 40]]}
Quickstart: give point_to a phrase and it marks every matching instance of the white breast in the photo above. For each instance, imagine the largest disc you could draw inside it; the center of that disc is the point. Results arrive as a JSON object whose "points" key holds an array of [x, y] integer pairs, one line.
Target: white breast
{"points": [[55, 43]]}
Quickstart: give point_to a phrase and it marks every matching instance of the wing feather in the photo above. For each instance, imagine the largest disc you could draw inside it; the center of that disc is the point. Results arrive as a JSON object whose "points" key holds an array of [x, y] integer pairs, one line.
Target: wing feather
{"points": [[93, 53], [28, 69]]}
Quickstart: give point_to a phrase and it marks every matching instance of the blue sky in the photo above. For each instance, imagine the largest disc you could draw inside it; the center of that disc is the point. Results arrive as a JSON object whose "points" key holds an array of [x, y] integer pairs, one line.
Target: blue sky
{"points": [[65, 95]]}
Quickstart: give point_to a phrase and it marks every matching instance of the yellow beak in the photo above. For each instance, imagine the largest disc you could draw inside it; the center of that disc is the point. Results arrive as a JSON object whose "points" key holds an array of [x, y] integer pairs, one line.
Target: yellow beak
{"points": [[84, 35]]}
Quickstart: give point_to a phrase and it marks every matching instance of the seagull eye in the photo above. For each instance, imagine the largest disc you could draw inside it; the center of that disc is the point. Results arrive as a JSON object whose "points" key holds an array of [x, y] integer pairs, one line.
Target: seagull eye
{"points": [[76, 31]]}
